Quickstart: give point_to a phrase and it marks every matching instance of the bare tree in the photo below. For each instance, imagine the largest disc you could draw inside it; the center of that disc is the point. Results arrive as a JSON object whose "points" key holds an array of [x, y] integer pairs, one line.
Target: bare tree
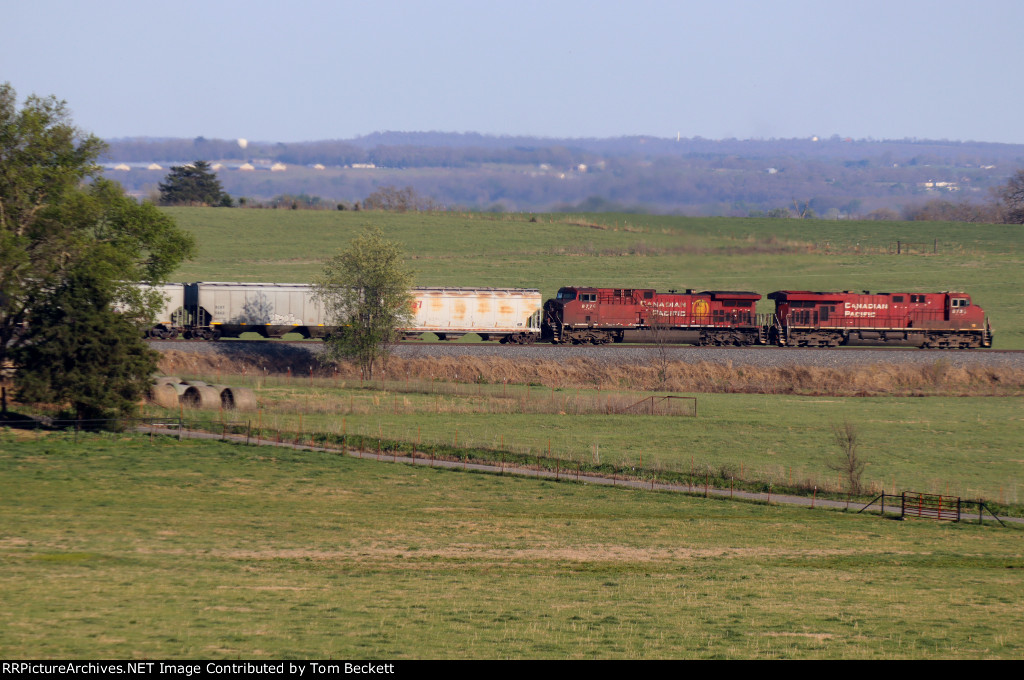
{"points": [[397, 200], [661, 337], [1012, 197], [847, 460]]}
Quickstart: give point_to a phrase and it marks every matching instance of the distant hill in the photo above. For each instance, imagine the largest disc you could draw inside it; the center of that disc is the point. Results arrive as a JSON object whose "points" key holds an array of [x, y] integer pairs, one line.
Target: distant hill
{"points": [[837, 177]]}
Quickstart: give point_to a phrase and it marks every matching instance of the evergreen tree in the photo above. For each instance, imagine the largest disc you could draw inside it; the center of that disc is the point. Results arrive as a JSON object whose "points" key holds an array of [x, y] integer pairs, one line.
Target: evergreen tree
{"points": [[81, 354], [193, 184]]}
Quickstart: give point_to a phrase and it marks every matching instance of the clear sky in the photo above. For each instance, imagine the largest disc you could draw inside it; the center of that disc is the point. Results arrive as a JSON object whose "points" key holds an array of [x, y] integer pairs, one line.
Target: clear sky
{"points": [[297, 70]]}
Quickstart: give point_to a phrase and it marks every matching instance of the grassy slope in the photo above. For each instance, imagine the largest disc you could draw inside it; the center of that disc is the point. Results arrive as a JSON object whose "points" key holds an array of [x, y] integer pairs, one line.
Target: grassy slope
{"points": [[115, 548], [629, 250], [949, 445]]}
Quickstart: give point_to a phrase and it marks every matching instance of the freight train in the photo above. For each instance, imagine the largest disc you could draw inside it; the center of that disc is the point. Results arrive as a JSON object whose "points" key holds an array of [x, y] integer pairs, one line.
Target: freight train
{"points": [[586, 315]]}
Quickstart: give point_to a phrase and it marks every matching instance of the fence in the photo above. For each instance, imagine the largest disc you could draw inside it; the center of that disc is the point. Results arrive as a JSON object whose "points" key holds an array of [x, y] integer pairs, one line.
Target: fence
{"points": [[929, 506]]}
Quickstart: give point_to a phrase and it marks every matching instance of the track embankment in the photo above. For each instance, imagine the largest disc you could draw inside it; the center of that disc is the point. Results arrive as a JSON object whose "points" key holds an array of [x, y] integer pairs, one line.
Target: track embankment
{"points": [[682, 369]]}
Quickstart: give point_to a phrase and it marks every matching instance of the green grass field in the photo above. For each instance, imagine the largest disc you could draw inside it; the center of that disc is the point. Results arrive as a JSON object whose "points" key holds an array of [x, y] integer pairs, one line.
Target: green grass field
{"points": [[115, 547], [466, 249], [968, 447]]}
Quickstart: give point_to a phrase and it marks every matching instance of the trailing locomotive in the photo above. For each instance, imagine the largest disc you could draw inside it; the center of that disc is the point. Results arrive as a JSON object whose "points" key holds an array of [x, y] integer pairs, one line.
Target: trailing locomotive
{"points": [[928, 320], [596, 316]]}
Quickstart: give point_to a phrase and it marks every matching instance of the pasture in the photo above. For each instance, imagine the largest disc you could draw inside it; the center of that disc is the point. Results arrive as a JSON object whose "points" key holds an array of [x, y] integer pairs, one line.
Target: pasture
{"points": [[968, 447], [121, 546], [549, 251], [114, 546]]}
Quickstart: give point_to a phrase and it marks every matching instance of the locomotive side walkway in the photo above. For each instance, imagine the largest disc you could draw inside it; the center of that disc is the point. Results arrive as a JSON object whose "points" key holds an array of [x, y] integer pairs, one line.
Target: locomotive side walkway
{"points": [[563, 475]]}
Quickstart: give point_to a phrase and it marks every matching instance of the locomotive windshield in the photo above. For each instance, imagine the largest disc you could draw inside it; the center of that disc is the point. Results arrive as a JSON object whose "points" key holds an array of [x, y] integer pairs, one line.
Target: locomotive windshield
{"points": [[566, 295]]}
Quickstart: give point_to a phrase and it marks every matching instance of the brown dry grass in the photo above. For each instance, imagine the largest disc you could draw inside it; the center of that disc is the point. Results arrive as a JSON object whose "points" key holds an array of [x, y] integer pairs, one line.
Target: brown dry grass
{"points": [[938, 378]]}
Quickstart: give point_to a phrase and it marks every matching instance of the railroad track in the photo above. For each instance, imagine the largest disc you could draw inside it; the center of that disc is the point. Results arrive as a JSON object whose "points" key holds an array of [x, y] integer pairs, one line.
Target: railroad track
{"points": [[584, 348]]}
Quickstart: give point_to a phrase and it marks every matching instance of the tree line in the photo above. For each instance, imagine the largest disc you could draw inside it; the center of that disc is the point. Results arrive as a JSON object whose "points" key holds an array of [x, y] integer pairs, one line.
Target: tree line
{"points": [[840, 178]]}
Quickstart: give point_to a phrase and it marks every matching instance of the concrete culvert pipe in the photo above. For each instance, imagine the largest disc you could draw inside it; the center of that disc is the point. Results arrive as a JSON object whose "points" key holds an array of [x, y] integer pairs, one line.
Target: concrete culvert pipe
{"points": [[201, 397], [238, 398]]}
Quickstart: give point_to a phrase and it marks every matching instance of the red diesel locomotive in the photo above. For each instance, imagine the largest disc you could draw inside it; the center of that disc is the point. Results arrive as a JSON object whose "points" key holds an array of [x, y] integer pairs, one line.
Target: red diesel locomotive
{"points": [[806, 319], [581, 315]]}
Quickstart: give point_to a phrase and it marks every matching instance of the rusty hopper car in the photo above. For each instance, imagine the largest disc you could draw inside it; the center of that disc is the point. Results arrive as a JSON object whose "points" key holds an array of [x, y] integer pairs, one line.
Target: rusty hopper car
{"points": [[510, 315], [226, 309], [580, 315], [809, 319]]}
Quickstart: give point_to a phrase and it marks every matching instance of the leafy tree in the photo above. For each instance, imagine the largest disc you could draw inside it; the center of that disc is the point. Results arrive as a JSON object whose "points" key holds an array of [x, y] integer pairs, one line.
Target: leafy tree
{"points": [[365, 293], [193, 184], [1012, 197], [53, 229]]}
